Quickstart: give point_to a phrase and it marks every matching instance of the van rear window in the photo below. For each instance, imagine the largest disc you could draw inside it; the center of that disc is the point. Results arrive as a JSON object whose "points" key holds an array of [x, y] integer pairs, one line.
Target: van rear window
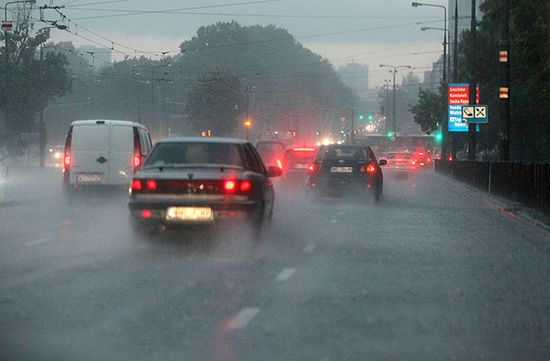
{"points": [[122, 139], [89, 137]]}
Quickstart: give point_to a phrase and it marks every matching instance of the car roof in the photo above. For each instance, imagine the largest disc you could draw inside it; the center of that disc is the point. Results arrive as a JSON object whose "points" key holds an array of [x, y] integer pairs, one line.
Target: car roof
{"points": [[203, 140], [106, 121]]}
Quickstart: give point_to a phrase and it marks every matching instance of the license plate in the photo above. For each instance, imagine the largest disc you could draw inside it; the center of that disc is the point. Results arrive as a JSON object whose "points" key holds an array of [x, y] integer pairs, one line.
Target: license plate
{"points": [[88, 178], [341, 170], [199, 214]]}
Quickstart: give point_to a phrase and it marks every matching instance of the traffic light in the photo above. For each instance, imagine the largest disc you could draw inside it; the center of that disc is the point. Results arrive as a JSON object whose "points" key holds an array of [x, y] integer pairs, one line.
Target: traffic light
{"points": [[438, 136], [248, 123], [370, 117], [361, 116], [390, 134]]}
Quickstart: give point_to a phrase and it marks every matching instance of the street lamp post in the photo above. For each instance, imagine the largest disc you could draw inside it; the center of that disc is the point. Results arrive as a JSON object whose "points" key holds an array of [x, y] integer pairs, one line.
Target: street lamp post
{"points": [[445, 125], [386, 107], [446, 50], [394, 71]]}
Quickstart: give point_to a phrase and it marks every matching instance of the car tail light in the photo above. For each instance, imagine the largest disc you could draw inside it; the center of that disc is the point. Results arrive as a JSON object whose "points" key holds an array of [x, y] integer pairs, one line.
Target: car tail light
{"points": [[429, 160], [245, 186], [136, 185], [229, 185], [279, 164], [371, 169], [146, 213], [151, 184], [303, 149], [414, 161], [312, 168]]}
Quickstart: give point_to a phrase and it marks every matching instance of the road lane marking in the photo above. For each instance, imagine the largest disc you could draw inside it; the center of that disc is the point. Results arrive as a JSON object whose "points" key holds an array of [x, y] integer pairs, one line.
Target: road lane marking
{"points": [[333, 221], [285, 274], [309, 248], [39, 241], [241, 319]]}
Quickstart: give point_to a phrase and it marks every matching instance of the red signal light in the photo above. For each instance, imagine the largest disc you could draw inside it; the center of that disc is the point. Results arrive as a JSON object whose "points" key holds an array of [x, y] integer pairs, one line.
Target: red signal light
{"points": [[136, 185], [151, 184], [245, 186]]}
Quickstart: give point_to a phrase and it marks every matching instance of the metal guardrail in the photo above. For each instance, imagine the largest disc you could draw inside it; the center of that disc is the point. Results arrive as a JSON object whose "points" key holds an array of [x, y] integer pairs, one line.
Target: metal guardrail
{"points": [[527, 183]]}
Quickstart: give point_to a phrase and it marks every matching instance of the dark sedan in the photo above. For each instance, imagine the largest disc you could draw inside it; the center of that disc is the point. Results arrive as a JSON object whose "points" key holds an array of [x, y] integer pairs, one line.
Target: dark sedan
{"points": [[337, 169], [202, 181]]}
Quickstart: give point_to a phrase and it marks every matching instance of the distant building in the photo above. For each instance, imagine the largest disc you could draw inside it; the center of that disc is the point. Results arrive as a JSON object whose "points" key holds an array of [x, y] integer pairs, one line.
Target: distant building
{"points": [[98, 57], [432, 78]]}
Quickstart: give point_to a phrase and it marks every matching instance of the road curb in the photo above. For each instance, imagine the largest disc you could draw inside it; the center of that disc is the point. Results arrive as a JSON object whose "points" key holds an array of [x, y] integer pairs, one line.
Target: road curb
{"points": [[509, 208]]}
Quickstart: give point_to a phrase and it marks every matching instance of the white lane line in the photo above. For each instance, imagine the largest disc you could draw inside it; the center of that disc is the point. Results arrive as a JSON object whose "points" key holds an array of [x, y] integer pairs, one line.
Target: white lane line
{"points": [[333, 221], [309, 248], [241, 319], [39, 241], [285, 274]]}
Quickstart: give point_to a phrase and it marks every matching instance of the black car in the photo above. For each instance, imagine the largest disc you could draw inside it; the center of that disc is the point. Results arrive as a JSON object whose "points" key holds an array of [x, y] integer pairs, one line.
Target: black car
{"points": [[338, 168], [202, 181]]}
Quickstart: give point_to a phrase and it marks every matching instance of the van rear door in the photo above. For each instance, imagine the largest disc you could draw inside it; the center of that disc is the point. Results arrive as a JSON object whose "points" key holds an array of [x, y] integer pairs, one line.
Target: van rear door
{"points": [[121, 154], [90, 154]]}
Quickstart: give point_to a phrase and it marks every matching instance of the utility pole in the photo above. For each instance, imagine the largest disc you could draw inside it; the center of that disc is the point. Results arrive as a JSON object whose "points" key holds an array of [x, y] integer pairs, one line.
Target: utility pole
{"points": [[473, 84], [42, 131], [352, 133], [504, 88], [454, 138], [387, 106]]}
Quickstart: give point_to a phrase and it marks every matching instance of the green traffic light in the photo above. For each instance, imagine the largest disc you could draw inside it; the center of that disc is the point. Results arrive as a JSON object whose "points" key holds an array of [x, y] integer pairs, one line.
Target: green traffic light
{"points": [[361, 117], [438, 136], [370, 117], [390, 133]]}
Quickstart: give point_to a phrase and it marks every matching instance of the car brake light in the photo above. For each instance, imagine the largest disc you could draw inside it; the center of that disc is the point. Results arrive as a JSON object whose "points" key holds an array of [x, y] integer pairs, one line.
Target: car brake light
{"points": [[303, 149], [136, 185], [151, 184], [279, 164], [146, 213], [136, 161], [429, 160], [414, 161], [245, 186], [371, 169], [312, 168], [229, 185]]}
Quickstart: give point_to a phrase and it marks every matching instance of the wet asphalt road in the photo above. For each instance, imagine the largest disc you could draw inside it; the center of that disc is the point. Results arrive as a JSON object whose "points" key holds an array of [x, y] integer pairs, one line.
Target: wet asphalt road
{"points": [[428, 274]]}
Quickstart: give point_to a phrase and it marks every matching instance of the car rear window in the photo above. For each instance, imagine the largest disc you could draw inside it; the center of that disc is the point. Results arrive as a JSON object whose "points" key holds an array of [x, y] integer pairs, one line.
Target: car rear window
{"points": [[398, 156], [180, 153], [344, 152], [268, 150]]}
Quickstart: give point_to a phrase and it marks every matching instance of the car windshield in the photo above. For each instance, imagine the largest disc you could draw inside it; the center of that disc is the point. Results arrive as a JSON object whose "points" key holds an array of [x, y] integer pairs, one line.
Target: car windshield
{"points": [[181, 154]]}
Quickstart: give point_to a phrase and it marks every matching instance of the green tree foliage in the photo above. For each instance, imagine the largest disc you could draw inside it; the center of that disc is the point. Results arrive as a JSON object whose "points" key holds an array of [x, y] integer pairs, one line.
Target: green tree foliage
{"points": [[294, 88], [529, 76], [30, 78], [427, 112], [216, 103]]}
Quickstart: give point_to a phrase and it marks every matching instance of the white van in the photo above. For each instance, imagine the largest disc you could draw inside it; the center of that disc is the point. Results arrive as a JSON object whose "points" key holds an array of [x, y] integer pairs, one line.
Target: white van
{"points": [[104, 152]]}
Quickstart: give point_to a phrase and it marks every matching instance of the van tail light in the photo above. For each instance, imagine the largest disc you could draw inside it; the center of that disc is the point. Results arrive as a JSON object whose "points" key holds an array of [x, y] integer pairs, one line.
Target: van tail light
{"points": [[312, 168], [136, 185], [67, 156], [136, 159]]}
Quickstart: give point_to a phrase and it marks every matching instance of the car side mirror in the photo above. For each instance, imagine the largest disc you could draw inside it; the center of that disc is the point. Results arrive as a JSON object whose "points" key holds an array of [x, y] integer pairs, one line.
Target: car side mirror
{"points": [[383, 162], [273, 171]]}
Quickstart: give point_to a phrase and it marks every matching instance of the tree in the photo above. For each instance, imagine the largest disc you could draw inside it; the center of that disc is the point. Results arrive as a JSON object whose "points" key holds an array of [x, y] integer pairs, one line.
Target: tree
{"points": [[427, 112], [31, 77], [217, 102]]}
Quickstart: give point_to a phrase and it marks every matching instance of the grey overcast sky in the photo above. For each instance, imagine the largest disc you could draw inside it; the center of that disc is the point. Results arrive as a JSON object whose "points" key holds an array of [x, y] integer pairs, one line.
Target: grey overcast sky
{"points": [[363, 31]]}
